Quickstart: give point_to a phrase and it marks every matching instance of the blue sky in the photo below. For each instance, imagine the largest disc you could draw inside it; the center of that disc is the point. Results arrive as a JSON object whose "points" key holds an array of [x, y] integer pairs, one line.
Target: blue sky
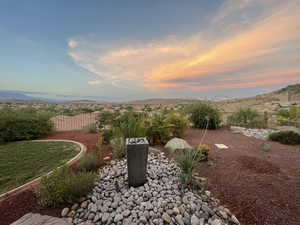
{"points": [[142, 49]]}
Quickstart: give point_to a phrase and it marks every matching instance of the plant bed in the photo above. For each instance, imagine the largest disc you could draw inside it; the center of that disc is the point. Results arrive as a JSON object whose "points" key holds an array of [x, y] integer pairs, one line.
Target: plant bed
{"points": [[21, 162]]}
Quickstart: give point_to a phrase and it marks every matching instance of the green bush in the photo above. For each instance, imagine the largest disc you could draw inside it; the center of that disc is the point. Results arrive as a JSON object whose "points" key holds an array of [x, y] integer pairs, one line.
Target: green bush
{"points": [[118, 144], [133, 126], [63, 186], [105, 118], [159, 130], [180, 124], [205, 115], [246, 117], [23, 124], [107, 135], [286, 137], [187, 159], [89, 162], [290, 116]]}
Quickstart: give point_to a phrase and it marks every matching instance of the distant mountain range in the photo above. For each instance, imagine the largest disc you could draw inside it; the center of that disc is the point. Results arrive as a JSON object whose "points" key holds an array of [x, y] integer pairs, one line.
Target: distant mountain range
{"points": [[23, 96]]}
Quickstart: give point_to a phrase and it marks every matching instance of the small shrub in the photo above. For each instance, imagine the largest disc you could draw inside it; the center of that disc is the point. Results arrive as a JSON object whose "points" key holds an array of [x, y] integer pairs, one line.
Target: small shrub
{"points": [[203, 152], [91, 128], [187, 160], [159, 130], [89, 162], [105, 118], [205, 116], [63, 186], [107, 135], [118, 144], [290, 116], [180, 124], [286, 137], [99, 152], [133, 126], [246, 117]]}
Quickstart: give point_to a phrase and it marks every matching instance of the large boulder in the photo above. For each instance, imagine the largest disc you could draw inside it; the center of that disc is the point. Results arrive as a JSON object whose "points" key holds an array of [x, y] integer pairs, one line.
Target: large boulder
{"points": [[177, 144]]}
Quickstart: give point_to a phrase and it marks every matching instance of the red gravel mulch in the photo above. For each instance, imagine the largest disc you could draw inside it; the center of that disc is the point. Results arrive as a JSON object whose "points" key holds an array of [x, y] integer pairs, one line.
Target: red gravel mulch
{"points": [[260, 188], [17, 205]]}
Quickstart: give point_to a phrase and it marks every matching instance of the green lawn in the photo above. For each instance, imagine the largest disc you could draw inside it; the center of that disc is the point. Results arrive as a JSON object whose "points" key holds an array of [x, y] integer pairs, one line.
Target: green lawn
{"points": [[21, 162]]}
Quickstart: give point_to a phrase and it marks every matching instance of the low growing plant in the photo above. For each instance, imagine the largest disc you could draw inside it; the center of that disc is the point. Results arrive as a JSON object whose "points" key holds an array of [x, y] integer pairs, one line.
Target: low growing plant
{"points": [[89, 162], [187, 159], [118, 144], [203, 152], [286, 137], [64, 186], [91, 128], [107, 135]]}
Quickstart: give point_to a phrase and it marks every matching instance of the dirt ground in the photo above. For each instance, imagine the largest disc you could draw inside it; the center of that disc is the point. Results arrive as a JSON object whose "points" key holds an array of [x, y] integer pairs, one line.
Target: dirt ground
{"points": [[260, 188]]}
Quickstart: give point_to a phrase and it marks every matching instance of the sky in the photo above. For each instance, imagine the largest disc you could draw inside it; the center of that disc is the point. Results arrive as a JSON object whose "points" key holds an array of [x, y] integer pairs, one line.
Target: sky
{"points": [[124, 50]]}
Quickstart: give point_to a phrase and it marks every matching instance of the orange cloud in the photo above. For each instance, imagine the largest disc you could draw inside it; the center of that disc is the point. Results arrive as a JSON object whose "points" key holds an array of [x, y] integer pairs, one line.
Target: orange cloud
{"points": [[257, 80], [265, 44], [248, 48]]}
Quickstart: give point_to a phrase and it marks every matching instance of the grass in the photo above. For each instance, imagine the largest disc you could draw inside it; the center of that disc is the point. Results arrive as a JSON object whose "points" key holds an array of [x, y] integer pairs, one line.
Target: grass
{"points": [[21, 162]]}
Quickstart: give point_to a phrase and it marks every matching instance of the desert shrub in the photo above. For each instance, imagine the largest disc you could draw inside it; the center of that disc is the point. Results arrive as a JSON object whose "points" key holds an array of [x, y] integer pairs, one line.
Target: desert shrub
{"points": [[91, 128], [286, 137], [205, 116], [118, 143], [99, 150], [203, 151], [107, 135], [89, 162], [159, 130], [106, 118], [23, 124], [64, 186], [186, 160], [290, 116], [180, 124], [133, 126], [246, 117]]}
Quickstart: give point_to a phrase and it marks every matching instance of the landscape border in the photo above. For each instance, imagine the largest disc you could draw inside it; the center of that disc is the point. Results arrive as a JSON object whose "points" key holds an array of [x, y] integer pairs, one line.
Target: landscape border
{"points": [[34, 182]]}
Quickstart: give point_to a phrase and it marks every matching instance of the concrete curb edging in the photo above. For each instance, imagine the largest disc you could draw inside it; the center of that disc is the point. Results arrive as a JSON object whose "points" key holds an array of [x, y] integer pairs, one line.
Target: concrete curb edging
{"points": [[36, 181]]}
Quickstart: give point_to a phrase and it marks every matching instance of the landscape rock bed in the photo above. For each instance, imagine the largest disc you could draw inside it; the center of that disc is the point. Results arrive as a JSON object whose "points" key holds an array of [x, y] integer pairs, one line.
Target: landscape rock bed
{"points": [[262, 134], [162, 200]]}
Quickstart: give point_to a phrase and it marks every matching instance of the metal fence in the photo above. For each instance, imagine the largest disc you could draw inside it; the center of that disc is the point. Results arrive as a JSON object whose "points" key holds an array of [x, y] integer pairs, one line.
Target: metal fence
{"points": [[77, 122]]}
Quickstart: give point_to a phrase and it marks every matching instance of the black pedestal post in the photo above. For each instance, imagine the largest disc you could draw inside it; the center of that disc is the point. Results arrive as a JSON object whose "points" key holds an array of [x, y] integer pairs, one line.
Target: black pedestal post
{"points": [[137, 156]]}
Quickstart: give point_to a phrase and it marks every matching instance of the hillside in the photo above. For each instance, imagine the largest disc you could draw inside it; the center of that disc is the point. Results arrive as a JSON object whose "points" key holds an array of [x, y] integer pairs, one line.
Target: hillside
{"points": [[269, 102]]}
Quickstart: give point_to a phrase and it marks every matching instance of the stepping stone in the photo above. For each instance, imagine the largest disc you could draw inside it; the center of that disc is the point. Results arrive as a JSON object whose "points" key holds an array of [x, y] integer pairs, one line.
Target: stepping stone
{"points": [[221, 146], [37, 219]]}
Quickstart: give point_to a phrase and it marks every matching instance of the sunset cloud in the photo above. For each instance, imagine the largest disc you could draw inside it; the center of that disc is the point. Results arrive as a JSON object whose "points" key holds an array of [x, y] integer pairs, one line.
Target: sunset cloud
{"points": [[262, 52]]}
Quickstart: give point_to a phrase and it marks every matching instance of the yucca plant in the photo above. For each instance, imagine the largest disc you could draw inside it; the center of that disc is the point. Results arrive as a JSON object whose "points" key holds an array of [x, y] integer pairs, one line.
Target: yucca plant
{"points": [[187, 159]]}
